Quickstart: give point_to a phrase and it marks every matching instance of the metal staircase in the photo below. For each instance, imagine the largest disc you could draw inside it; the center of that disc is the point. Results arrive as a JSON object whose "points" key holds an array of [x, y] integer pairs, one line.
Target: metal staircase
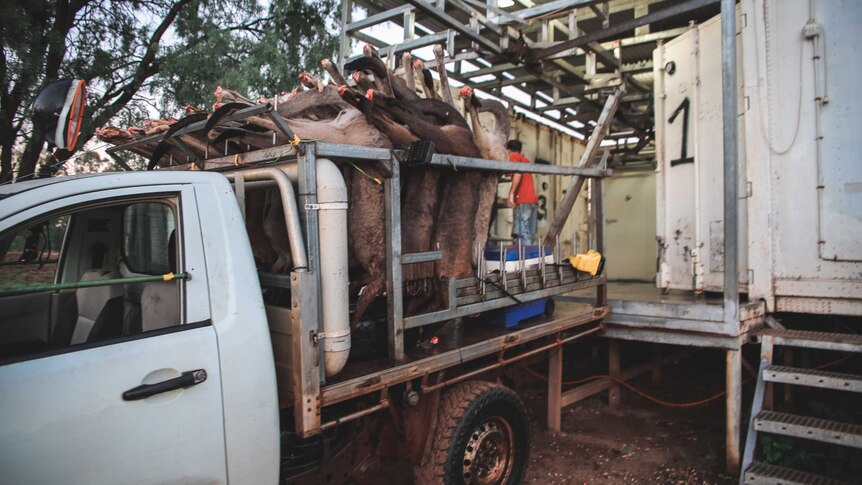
{"points": [[768, 421]]}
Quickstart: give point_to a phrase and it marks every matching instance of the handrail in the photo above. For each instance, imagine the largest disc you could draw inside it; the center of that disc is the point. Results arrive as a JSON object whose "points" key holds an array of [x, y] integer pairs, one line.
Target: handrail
{"points": [[25, 288], [288, 203]]}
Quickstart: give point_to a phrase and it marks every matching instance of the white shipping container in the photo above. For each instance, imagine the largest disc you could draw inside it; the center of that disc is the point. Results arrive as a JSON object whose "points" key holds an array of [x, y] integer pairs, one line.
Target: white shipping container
{"points": [[801, 189]]}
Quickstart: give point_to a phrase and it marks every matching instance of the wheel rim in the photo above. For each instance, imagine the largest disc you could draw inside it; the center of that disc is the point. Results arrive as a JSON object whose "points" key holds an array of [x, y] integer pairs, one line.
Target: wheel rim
{"points": [[489, 456]]}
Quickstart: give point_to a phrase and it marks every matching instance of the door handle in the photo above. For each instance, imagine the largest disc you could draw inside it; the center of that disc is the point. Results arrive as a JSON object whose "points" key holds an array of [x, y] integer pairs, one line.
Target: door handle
{"points": [[186, 379]]}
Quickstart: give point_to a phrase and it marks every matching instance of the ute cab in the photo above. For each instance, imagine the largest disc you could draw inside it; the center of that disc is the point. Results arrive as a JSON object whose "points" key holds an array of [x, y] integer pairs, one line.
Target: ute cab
{"points": [[129, 331]]}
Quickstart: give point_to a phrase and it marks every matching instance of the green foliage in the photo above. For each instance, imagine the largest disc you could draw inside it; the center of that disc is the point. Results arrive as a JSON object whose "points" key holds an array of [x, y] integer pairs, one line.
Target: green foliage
{"points": [[779, 450], [834, 461], [260, 51], [144, 55]]}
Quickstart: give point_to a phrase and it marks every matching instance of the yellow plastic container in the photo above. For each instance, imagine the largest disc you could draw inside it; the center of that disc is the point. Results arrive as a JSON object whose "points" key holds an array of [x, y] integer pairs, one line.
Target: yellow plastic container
{"points": [[592, 262]]}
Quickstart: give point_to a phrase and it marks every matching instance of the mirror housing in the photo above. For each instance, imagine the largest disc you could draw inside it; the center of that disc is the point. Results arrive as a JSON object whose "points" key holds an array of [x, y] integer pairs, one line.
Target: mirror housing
{"points": [[58, 112]]}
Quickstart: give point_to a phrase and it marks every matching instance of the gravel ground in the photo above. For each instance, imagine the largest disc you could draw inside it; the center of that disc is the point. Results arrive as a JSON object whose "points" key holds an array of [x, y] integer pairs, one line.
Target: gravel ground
{"points": [[637, 442]]}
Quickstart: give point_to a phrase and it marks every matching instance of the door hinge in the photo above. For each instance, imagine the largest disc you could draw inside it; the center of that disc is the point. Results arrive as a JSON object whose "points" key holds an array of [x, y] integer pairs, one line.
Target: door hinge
{"points": [[749, 190], [316, 336]]}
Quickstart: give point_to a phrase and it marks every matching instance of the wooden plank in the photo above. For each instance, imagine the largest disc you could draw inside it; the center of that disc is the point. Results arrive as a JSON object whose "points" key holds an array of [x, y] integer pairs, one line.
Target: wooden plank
{"points": [[614, 371], [655, 376], [733, 371], [555, 390], [582, 392], [576, 183]]}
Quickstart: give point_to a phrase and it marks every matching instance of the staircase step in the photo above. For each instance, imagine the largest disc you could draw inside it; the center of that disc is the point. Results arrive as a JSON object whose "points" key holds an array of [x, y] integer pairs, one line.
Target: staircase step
{"points": [[809, 428], [813, 378], [761, 473], [845, 342]]}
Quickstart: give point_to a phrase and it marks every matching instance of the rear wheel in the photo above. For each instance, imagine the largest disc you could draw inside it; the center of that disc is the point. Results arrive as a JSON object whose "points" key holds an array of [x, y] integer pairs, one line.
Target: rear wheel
{"points": [[481, 437]]}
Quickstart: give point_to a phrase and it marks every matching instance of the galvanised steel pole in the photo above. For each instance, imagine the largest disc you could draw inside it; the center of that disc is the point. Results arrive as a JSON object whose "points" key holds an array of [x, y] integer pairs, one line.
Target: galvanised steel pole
{"points": [[731, 226], [731, 167]]}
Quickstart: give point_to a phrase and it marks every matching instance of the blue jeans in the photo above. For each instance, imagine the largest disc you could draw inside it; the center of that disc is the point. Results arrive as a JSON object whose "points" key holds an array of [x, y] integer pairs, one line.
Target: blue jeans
{"points": [[524, 223]]}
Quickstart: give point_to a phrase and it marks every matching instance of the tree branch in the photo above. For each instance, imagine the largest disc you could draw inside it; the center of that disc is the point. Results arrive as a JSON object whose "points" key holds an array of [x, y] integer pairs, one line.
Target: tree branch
{"points": [[146, 69]]}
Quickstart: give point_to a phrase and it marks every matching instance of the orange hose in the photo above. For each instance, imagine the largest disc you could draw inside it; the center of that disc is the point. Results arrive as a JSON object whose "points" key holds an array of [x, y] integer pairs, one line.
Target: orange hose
{"points": [[657, 400], [636, 390]]}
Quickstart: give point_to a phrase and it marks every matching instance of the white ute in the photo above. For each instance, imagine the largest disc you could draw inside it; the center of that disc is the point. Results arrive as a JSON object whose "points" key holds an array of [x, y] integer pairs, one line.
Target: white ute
{"points": [[208, 411]]}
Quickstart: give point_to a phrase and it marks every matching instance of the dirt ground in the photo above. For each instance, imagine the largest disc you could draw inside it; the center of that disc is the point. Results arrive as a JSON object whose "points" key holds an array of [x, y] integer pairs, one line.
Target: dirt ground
{"points": [[637, 442]]}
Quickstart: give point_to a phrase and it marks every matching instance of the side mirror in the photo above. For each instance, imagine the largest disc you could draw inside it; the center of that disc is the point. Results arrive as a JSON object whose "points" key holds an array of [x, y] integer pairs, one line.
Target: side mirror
{"points": [[58, 112]]}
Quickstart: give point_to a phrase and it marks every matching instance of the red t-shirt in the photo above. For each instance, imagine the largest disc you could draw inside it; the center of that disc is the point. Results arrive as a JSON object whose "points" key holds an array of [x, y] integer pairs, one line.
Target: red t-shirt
{"points": [[526, 193]]}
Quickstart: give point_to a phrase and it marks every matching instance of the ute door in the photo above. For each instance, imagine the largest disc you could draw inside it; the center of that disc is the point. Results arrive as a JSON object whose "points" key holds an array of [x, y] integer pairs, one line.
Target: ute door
{"points": [[123, 384]]}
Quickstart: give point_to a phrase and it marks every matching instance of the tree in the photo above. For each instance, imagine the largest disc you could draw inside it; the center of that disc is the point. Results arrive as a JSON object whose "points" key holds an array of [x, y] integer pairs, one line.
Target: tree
{"points": [[140, 55]]}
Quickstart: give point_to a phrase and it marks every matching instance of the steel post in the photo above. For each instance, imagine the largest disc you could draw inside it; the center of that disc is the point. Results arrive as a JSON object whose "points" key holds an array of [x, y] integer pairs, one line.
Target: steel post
{"points": [[305, 356], [307, 175], [731, 169], [599, 211], [344, 41], [394, 293]]}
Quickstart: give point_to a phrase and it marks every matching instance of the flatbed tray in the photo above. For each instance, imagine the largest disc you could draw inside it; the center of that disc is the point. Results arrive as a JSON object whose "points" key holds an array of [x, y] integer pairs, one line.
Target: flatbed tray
{"points": [[362, 378]]}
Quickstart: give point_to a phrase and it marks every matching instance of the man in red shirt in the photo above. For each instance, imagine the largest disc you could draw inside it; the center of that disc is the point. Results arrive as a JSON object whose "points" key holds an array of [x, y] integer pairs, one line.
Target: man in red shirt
{"points": [[522, 197]]}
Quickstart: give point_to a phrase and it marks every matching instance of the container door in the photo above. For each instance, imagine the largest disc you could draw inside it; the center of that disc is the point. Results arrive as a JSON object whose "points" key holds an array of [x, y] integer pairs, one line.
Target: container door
{"points": [[841, 170], [675, 70]]}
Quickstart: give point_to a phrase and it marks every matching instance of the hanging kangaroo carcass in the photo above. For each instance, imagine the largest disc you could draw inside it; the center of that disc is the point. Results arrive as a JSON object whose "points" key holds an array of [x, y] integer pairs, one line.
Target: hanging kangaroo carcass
{"points": [[442, 208]]}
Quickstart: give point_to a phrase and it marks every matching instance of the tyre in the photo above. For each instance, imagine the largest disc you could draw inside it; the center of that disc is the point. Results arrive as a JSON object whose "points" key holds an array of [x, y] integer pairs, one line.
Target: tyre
{"points": [[481, 437]]}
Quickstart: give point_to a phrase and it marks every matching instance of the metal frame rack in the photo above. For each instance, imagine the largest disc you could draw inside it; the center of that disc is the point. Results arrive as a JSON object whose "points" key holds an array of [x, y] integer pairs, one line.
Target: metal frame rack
{"points": [[564, 54], [466, 296], [561, 54]]}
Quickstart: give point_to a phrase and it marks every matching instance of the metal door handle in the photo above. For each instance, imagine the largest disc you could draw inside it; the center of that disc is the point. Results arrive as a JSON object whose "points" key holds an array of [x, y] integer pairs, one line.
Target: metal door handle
{"points": [[187, 379]]}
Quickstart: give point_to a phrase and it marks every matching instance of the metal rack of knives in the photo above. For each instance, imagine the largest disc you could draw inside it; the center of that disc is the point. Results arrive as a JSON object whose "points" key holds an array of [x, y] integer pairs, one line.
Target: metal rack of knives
{"points": [[502, 287]]}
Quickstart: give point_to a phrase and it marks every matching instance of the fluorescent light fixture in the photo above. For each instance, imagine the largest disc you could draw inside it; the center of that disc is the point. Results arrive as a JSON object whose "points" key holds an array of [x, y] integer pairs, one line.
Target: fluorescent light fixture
{"points": [[505, 3]]}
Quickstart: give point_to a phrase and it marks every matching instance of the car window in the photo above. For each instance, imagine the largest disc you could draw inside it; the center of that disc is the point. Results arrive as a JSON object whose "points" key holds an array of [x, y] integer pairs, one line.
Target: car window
{"points": [[90, 276], [29, 255], [147, 230]]}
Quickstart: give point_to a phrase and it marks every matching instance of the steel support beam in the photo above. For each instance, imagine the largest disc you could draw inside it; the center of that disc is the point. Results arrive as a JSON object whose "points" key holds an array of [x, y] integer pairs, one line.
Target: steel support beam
{"points": [[441, 16], [565, 47], [378, 18], [546, 8], [575, 185]]}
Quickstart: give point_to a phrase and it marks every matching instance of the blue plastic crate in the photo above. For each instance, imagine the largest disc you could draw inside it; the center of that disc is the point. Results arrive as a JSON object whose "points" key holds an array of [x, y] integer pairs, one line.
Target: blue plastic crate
{"points": [[513, 315]]}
